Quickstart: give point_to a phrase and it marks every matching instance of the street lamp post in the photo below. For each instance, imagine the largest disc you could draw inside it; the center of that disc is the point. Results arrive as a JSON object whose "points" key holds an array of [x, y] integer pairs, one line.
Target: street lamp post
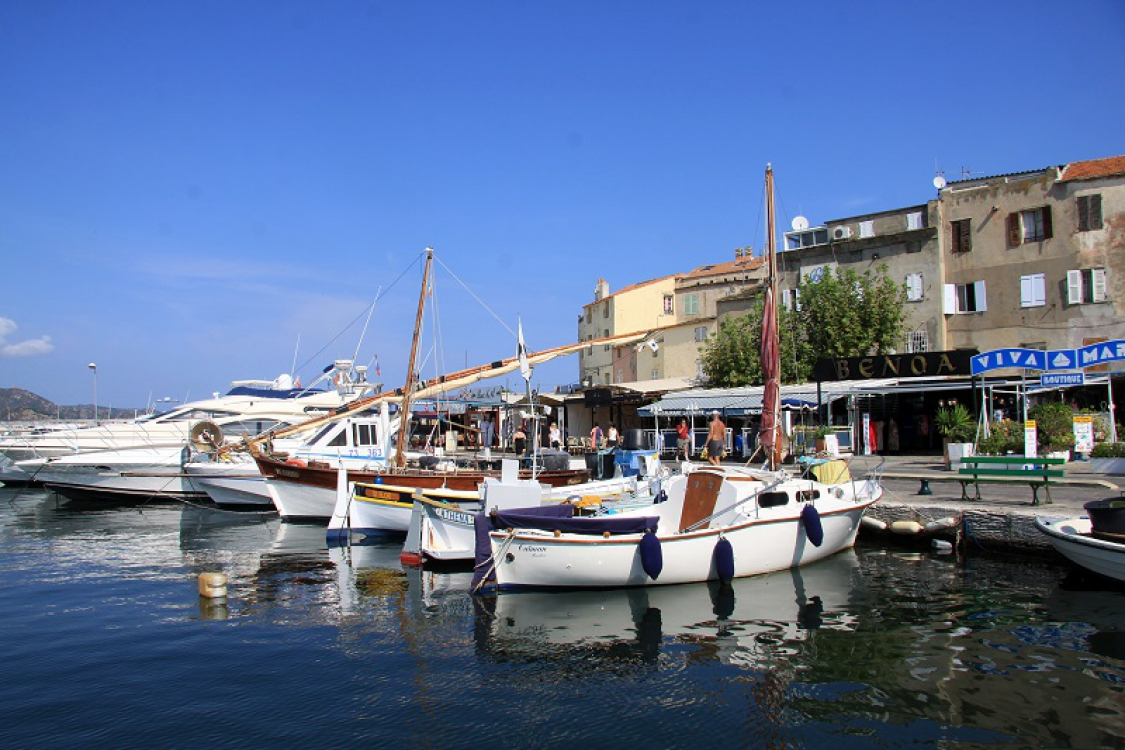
{"points": [[94, 368]]}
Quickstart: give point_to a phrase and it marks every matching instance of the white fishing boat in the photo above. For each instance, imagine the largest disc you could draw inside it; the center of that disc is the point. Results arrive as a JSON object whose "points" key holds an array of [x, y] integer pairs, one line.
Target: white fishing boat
{"points": [[717, 523], [233, 480], [1095, 542]]}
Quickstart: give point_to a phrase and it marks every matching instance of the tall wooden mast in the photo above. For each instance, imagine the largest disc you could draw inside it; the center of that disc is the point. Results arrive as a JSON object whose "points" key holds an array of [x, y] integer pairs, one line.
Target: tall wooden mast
{"points": [[411, 378]]}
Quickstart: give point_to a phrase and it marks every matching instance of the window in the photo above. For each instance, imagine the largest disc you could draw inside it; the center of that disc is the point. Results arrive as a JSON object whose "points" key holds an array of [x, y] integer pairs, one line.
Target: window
{"points": [[811, 238], [965, 298], [699, 368], [620, 375], [365, 434], [914, 221], [691, 304], [656, 373], [918, 342], [961, 238], [589, 315], [1029, 226], [867, 228], [1086, 285], [1033, 290], [1089, 212], [605, 311], [701, 333], [791, 299], [607, 346], [914, 288], [668, 305]]}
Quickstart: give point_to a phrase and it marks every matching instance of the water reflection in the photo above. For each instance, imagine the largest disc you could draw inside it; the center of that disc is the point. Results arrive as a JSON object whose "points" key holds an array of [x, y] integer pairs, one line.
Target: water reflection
{"points": [[867, 647], [755, 621]]}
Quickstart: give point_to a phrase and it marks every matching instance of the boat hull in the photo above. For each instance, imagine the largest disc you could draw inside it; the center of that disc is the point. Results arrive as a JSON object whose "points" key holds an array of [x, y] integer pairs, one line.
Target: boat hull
{"points": [[543, 561], [1071, 538]]}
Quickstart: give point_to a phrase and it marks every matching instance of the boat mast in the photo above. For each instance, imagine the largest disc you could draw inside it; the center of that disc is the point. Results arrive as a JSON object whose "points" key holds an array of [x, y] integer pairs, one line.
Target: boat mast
{"points": [[771, 352], [411, 378]]}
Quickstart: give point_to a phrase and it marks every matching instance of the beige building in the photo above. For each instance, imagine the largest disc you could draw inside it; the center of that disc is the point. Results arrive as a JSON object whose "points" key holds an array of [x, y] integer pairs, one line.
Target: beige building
{"points": [[1031, 259], [1034, 259], [683, 309], [905, 240], [640, 307]]}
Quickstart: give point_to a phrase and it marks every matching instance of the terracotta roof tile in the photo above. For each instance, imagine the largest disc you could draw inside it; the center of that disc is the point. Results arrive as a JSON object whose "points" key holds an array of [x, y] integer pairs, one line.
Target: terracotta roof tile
{"points": [[1112, 166], [730, 266]]}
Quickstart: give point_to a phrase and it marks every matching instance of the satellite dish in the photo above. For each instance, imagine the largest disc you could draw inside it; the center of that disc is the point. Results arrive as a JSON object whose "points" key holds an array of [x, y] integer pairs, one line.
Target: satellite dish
{"points": [[800, 223], [205, 435], [939, 182]]}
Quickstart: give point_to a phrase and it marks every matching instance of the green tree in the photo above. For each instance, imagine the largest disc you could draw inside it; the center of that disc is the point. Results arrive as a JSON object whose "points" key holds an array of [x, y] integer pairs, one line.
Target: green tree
{"points": [[732, 356], [850, 314], [846, 314]]}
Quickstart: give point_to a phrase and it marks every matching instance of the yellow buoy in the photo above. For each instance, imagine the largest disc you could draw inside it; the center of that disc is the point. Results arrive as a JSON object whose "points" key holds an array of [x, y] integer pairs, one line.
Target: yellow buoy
{"points": [[213, 585], [906, 527]]}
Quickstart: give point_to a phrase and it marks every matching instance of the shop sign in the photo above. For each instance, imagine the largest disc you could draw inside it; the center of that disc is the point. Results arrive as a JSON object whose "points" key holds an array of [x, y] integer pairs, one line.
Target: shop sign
{"points": [[914, 365]]}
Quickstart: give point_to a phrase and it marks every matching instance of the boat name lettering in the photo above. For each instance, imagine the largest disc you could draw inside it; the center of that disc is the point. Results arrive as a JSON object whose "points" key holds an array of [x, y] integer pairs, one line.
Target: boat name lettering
{"points": [[379, 494], [532, 548], [455, 516]]}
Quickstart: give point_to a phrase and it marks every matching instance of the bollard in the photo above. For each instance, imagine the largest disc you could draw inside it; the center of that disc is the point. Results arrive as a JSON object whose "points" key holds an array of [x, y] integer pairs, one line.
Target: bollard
{"points": [[212, 585], [924, 489]]}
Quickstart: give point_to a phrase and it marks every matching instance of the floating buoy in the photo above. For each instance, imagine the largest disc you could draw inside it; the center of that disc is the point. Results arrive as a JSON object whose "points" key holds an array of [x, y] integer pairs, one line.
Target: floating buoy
{"points": [[906, 527], [941, 545], [299, 462], [652, 557], [813, 530], [724, 560], [942, 524], [411, 559], [873, 523], [213, 585]]}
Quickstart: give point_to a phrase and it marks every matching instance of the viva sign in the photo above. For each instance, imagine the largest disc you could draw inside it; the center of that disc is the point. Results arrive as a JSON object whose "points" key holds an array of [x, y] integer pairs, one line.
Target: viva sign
{"points": [[1055, 359]]}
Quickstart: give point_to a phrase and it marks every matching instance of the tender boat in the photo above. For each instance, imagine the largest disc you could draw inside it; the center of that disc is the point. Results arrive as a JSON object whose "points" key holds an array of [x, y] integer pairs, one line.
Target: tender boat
{"points": [[1095, 542]]}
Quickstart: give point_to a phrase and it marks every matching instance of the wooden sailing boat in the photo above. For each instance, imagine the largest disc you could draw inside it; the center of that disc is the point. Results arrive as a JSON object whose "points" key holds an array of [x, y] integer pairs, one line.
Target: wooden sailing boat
{"points": [[308, 491]]}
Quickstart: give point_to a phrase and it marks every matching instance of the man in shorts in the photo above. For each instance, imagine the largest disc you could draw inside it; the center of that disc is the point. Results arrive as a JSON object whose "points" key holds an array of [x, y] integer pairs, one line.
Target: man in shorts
{"points": [[716, 439]]}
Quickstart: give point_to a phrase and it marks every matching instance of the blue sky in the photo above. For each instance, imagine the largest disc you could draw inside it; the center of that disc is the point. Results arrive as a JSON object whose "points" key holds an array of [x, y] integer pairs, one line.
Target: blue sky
{"points": [[187, 188]]}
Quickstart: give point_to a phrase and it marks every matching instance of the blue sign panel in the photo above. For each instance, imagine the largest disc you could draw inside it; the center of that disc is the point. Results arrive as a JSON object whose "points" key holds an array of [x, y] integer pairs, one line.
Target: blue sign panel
{"points": [[1026, 359], [1062, 378], [1062, 359], [1106, 351]]}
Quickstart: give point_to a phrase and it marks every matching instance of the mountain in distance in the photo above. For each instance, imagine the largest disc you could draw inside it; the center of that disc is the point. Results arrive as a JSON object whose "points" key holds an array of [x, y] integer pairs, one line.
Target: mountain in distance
{"points": [[18, 405]]}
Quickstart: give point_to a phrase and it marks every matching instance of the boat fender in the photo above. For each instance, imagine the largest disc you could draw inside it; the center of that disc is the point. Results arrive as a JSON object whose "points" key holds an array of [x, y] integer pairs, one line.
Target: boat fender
{"points": [[906, 527], [661, 497], [295, 462], [652, 558], [810, 518], [875, 524], [724, 560], [941, 524]]}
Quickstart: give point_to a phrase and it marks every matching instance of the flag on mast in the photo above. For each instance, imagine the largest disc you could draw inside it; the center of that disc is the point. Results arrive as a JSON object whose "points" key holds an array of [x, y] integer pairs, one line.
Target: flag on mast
{"points": [[525, 366]]}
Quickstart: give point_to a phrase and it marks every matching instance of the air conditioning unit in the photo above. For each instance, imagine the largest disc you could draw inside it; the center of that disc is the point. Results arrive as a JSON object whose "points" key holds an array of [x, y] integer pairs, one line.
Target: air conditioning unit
{"points": [[841, 233]]}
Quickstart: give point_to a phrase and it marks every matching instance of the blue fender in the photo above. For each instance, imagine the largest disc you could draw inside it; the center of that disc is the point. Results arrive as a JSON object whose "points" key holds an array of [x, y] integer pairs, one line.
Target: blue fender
{"points": [[813, 530], [724, 560], [652, 557]]}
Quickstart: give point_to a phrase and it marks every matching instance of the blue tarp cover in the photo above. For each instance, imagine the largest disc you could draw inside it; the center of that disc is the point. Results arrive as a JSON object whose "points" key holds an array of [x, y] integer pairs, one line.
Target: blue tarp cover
{"points": [[560, 518]]}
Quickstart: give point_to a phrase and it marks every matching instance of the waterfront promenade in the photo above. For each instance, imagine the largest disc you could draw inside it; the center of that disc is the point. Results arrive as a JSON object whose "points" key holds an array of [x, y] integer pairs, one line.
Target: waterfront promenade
{"points": [[1004, 516]]}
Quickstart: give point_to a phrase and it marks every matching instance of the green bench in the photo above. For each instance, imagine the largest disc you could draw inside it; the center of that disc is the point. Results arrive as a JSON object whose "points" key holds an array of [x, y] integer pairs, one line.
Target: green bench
{"points": [[977, 469]]}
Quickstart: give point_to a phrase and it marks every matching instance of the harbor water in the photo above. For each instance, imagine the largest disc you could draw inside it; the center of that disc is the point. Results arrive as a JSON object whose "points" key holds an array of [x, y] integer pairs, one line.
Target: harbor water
{"points": [[106, 642]]}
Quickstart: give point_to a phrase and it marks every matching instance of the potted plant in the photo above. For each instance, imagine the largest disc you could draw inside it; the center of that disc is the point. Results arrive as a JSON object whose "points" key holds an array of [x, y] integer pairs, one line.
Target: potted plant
{"points": [[1054, 425], [956, 426], [820, 435]]}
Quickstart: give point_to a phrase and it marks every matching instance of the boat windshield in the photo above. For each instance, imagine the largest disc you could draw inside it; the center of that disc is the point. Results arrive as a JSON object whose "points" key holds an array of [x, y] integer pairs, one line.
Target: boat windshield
{"points": [[193, 414]]}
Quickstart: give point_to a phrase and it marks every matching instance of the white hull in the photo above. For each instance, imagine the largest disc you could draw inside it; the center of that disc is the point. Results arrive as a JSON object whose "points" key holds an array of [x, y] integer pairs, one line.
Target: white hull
{"points": [[763, 539], [1070, 536], [301, 502], [238, 485], [139, 473]]}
